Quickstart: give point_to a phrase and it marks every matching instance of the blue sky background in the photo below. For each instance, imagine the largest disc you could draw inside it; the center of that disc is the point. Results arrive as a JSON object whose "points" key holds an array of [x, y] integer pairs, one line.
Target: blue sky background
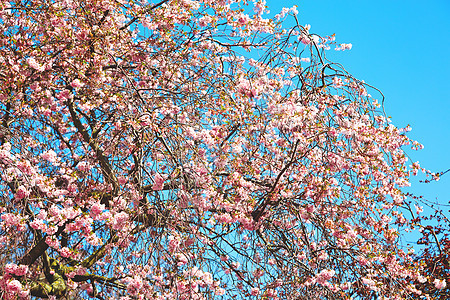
{"points": [[403, 49]]}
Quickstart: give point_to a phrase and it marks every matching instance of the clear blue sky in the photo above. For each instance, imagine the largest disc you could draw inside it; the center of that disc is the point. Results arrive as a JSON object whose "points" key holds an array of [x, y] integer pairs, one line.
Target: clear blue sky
{"points": [[402, 48]]}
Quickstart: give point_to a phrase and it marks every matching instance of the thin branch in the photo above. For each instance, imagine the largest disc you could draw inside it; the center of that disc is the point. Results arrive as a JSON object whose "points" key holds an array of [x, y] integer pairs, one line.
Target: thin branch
{"points": [[146, 11]]}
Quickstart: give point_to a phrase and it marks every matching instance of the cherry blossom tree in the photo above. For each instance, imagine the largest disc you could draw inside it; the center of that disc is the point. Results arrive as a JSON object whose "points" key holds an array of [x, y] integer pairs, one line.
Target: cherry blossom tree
{"points": [[189, 149]]}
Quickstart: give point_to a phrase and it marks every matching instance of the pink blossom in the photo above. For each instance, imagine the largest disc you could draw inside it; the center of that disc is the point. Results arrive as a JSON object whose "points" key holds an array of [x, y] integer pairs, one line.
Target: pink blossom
{"points": [[337, 82], [235, 265], [305, 59], [421, 279], [5, 154], [225, 218], [34, 64], [254, 291], [243, 19], [258, 273], [440, 284], [207, 278], [344, 47], [158, 182], [247, 223], [94, 240], [83, 166], [324, 276], [204, 21], [49, 156], [219, 291], [21, 193], [97, 209], [21, 270], [25, 167], [134, 285], [52, 242], [304, 39], [119, 220], [174, 243], [10, 268], [10, 219], [419, 209], [182, 259], [370, 283], [76, 83], [14, 286], [65, 252], [122, 179], [271, 293], [37, 224]]}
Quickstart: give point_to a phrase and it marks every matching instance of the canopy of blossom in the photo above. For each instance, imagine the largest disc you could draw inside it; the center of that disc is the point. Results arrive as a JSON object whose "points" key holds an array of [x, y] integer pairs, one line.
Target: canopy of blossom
{"points": [[191, 150]]}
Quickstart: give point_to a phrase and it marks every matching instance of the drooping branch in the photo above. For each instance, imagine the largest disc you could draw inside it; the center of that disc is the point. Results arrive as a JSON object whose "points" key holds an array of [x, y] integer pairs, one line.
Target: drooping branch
{"points": [[104, 163], [259, 211]]}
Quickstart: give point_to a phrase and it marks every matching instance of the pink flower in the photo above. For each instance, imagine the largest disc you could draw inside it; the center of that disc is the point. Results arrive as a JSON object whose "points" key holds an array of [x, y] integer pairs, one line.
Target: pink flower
{"points": [[21, 270], [258, 273], [247, 223], [135, 285], [207, 278], [174, 242], [419, 209], [37, 224], [34, 64], [76, 83], [440, 284], [158, 182], [243, 19], [10, 219], [219, 291], [421, 279], [5, 153], [49, 156], [21, 193], [303, 38], [97, 209], [10, 268], [14, 286], [83, 166], [370, 283], [324, 275], [344, 47], [271, 293], [65, 252], [225, 218], [254, 291], [25, 167], [182, 259], [337, 82], [235, 265], [119, 220], [204, 21], [52, 242]]}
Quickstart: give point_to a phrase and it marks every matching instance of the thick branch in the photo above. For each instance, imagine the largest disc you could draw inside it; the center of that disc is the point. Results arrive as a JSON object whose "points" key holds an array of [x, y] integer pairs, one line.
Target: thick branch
{"points": [[56, 286], [38, 249]]}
